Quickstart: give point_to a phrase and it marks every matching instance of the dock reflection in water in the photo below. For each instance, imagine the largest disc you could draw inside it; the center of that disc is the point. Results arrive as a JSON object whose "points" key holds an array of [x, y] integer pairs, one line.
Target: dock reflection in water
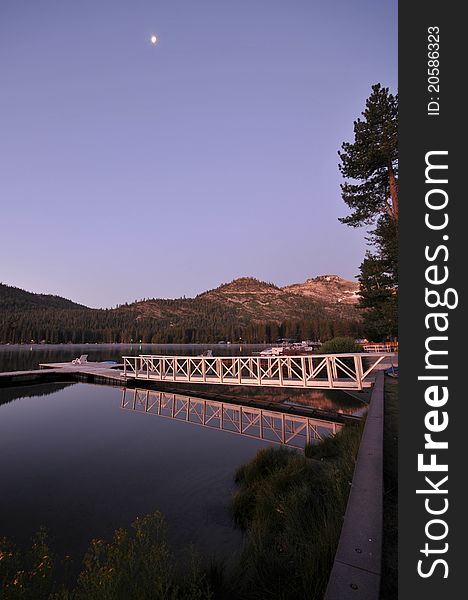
{"points": [[273, 426]]}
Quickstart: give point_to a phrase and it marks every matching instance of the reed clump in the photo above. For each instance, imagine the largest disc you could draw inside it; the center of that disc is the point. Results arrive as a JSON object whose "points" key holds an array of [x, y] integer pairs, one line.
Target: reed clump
{"points": [[291, 507]]}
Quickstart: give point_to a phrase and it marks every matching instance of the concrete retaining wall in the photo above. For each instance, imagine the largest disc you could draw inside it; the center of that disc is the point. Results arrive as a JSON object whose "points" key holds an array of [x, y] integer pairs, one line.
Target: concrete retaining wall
{"points": [[356, 571]]}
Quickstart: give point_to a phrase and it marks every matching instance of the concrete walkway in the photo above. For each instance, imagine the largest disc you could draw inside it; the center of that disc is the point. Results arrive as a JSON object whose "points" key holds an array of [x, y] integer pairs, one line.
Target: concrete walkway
{"points": [[356, 571]]}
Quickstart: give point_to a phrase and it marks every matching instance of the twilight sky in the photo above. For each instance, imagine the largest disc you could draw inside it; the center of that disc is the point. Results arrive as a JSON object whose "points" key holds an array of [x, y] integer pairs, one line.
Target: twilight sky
{"points": [[130, 170]]}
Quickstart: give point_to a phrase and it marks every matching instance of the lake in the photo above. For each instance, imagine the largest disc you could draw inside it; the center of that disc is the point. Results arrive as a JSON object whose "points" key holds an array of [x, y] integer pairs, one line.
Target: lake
{"points": [[82, 460], [72, 459], [16, 357]]}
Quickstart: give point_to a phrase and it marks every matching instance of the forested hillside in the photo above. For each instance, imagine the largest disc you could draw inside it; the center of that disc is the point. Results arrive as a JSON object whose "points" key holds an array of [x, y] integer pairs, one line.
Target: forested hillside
{"points": [[245, 309]]}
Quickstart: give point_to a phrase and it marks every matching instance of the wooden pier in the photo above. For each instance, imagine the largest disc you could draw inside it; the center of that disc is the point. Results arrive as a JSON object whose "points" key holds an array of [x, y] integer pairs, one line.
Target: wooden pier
{"points": [[90, 371], [347, 372], [93, 372]]}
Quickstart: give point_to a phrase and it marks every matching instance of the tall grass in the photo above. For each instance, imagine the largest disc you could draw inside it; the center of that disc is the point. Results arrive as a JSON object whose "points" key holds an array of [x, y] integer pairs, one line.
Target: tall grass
{"points": [[291, 507]]}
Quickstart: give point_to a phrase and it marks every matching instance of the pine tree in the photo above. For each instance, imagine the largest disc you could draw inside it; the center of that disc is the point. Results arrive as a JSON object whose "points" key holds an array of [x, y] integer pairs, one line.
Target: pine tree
{"points": [[371, 162], [379, 298]]}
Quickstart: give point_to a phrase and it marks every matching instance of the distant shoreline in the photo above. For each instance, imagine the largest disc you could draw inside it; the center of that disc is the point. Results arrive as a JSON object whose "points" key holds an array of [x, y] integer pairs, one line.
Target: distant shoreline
{"points": [[100, 344]]}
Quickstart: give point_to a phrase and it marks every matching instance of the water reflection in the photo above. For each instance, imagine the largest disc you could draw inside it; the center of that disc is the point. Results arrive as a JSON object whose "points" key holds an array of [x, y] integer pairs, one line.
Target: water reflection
{"points": [[8, 394], [330, 401], [273, 426], [75, 462]]}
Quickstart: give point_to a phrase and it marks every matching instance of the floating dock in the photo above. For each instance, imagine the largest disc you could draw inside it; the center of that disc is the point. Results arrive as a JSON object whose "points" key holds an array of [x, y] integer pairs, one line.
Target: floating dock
{"points": [[92, 372]]}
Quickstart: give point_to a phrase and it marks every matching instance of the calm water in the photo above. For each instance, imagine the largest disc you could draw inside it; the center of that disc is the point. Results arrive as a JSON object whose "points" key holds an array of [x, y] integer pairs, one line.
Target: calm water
{"points": [[23, 357], [73, 459]]}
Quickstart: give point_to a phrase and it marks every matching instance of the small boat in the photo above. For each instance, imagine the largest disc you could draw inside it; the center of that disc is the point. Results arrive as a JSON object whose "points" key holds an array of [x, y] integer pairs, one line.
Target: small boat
{"points": [[392, 372], [292, 349], [274, 351]]}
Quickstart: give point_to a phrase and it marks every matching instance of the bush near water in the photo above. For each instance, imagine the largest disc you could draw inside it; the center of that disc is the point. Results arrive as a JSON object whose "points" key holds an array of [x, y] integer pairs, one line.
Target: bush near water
{"points": [[340, 345]]}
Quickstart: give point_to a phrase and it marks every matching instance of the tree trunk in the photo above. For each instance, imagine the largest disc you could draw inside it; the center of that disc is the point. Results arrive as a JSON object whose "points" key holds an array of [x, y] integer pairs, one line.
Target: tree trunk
{"points": [[393, 191]]}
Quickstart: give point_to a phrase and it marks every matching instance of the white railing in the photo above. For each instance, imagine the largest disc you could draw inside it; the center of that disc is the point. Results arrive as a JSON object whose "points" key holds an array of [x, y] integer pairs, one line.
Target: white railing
{"points": [[387, 347], [323, 371], [272, 426]]}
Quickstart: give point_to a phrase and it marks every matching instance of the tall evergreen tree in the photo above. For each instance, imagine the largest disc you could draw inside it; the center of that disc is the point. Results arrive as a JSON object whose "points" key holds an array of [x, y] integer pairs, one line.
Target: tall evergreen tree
{"points": [[371, 162], [379, 299], [370, 167]]}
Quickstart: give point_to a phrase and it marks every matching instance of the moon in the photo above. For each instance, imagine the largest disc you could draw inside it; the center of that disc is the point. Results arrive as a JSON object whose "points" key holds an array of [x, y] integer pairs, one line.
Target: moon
{"points": [[153, 39]]}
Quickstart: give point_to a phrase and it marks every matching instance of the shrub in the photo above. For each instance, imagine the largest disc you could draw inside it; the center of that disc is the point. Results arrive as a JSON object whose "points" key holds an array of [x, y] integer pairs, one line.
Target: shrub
{"points": [[137, 565], [30, 574], [340, 345]]}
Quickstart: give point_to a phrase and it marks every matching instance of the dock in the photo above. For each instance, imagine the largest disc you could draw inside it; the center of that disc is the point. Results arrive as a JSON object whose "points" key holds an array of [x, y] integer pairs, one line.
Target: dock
{"points": [[90, 372], [105, 374], [346, 372], [97, 372]]}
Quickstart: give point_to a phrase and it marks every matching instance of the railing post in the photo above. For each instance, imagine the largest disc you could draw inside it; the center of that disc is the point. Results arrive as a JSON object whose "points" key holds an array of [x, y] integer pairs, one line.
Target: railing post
{"points": [[311, 366], [329, 371], [335, 370], [304, 371], [358, 369]]}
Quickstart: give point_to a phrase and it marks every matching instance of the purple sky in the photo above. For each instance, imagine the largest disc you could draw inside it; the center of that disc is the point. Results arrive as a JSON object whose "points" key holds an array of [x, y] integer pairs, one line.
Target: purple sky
{"points": [[130, 170]]}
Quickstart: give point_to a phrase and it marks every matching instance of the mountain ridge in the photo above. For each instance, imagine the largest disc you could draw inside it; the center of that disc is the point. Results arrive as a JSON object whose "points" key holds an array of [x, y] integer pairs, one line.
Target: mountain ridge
{"points": [[10, 294], [244, 308], [331, 287]]}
